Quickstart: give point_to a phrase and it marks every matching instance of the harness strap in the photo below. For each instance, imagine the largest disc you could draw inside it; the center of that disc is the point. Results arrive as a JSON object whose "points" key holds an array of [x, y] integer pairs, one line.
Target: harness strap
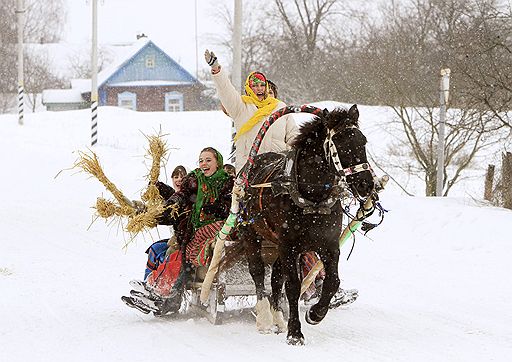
{"points": [[266, 184], [261, 189]]}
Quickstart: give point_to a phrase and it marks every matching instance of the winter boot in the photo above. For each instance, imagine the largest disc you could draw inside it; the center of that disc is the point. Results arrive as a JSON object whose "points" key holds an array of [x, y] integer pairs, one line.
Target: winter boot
{"points": [[172, 304], [343, 297], [139, 286], [137, 304]]}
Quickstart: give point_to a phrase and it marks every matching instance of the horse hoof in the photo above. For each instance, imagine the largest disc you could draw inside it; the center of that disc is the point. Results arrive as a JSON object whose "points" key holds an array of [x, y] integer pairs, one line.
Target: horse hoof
{"points": [[309, 320], [313, 318], [295, 341]]}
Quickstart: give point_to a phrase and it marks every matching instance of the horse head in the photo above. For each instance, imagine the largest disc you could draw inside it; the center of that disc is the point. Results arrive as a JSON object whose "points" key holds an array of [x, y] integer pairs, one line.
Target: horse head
{"points": [[345, 145]]}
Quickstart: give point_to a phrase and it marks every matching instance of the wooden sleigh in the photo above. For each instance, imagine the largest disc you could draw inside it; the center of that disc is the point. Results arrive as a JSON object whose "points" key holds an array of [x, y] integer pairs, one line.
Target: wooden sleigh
{"points": [[232, 292]]}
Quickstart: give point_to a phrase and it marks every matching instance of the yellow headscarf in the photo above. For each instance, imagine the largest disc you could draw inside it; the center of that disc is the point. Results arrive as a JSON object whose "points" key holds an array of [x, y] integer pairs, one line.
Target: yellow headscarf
{"points": [[265, 107]]}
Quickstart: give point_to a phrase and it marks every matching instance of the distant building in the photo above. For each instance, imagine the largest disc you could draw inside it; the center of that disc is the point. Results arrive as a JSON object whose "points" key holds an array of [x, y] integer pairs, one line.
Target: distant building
{"points": [[147, 80]]}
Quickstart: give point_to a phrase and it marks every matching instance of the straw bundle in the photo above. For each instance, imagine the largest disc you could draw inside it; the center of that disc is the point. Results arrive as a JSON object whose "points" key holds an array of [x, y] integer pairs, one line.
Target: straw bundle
{"points": [[141, 216], [107, 209], [157, 150], [147, 219], [91, 165]]}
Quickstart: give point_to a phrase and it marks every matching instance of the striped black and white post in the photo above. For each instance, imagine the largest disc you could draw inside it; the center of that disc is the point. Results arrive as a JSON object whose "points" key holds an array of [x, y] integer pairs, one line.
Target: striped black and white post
{"points": [[94, 78], [20, 12], [94, 124], [21, 92]]}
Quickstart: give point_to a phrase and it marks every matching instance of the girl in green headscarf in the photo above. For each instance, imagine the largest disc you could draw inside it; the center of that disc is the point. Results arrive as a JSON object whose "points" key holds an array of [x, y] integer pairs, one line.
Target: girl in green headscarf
{"points": [[206, 194]]}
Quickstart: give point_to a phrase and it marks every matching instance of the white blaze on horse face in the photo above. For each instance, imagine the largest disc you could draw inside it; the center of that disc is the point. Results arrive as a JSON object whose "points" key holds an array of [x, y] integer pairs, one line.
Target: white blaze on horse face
{"points": [[208, 163]]}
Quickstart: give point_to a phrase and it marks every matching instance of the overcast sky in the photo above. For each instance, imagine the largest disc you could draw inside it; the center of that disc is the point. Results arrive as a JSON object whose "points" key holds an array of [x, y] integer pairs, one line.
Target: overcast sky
{"points": [[169, 23]]}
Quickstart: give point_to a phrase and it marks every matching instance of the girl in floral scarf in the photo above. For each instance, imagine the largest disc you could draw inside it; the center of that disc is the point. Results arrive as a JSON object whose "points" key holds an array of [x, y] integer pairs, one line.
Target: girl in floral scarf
{"points": [[205, 199]]}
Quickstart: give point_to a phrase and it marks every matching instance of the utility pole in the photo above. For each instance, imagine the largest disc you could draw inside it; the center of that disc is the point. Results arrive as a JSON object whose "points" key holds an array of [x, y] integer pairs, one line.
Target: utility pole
{"points": [[195, 25], [20, 12], [94, 76], [236, 73], [237, 46], [444, 92]]}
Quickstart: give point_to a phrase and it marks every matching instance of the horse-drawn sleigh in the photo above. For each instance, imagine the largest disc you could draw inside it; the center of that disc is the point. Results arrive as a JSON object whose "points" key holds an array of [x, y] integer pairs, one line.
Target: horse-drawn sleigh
{"points": [[293, 200]]}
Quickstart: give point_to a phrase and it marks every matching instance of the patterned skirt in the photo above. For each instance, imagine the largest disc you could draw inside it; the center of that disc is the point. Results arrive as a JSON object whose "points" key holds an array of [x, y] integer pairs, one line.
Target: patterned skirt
{"points": [[200, 248]]}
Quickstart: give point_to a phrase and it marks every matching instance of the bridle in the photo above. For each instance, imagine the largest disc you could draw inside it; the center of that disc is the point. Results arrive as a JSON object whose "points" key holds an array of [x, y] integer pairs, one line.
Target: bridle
{"points": [[331, 154]]}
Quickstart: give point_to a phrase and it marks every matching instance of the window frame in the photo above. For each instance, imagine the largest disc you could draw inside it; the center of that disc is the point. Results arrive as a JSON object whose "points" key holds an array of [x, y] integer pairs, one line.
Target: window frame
{"points": [[150, 61], [173, 96], [127, 96]]}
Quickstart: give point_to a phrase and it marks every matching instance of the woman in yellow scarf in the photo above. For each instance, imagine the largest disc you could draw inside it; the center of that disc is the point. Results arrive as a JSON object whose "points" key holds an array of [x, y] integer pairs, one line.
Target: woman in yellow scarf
{"points": [[250, 110]]}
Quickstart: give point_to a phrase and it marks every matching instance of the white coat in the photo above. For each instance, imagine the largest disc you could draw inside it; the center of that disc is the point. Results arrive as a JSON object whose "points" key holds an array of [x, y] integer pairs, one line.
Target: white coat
{"points": [[278, 137]]}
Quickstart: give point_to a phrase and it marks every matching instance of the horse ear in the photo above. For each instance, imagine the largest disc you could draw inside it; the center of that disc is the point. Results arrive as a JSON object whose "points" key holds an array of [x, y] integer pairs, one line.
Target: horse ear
{"points": [[353, 112], [325, 117]]}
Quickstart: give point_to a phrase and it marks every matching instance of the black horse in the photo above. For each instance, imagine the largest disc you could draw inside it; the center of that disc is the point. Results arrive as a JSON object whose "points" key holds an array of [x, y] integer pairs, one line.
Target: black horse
{"points": [[293, 200]]}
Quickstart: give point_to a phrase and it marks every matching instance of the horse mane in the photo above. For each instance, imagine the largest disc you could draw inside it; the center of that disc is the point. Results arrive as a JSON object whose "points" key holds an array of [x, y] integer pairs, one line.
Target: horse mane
{"points": [[338, 118]]}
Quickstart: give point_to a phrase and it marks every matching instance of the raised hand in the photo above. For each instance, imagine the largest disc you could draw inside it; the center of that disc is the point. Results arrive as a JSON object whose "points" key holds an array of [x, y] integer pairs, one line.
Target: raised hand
{"points": [[211, 59]]}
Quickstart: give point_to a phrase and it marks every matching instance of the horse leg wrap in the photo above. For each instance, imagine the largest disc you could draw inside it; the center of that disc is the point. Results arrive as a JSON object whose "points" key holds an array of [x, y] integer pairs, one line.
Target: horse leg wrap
{"points": [[279, 321], [264, 319]]}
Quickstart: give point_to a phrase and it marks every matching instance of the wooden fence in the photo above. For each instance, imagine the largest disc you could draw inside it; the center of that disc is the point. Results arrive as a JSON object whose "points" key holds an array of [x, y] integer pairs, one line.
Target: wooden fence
{"points": [[501, 195]]}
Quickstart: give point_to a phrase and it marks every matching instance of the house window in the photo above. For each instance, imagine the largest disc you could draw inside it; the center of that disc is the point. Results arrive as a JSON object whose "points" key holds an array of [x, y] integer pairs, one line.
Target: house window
{"points": [[173, 102], [150, 61], [127, 100]]}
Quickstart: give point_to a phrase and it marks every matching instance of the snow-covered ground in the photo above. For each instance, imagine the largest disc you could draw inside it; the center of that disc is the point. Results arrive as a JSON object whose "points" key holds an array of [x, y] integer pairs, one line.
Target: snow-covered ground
{"points": [[432, 278]]}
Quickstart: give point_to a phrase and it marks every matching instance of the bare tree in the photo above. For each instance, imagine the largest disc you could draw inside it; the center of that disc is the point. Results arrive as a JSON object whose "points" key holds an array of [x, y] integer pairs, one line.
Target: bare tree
{"points": [[467, 133], [286, 42], [486, 64], [43, 24], [44, 21], [300, 32], [254, 37], [80, 62], [401, 59], [38, 77]]}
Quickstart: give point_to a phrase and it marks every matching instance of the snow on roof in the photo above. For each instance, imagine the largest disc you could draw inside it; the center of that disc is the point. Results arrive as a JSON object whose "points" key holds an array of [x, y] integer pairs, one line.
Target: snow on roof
{"points": [[123, 54], [139, 83], [82, 85], [61, 56], [62, 96]]}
